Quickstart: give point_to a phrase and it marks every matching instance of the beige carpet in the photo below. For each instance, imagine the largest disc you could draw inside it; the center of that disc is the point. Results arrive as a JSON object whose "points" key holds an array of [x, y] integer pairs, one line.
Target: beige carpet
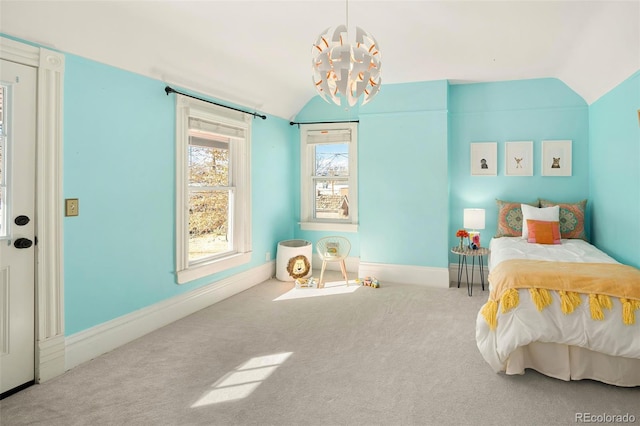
{"points": [[396, 355]]}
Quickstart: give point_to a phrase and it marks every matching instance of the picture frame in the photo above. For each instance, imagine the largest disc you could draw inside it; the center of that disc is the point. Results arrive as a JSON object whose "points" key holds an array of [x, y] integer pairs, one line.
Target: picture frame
{"points": [[484, 158], [556, 158], [518, 158]]}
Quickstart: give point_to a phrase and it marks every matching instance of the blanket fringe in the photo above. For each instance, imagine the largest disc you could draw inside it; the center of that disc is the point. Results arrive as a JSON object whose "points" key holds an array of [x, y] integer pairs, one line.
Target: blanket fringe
{"points": [[629, 307], [596, 307], [509, 300], [490, 313], [605, 301], [541, 297], [569, 301]]}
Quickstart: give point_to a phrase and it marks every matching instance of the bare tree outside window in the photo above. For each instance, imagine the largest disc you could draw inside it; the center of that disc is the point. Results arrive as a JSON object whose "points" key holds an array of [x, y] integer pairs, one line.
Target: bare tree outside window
{"points": [[209, 195]]}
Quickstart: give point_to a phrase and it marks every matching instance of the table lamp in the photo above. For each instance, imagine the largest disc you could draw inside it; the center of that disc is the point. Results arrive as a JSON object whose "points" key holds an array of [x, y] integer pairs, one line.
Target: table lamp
{"points": [[474, 220]]}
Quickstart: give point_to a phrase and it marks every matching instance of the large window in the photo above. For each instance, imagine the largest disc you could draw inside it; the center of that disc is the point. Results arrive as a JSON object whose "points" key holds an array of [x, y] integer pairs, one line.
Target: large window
{"points": [[213, 189], [329, 193]]}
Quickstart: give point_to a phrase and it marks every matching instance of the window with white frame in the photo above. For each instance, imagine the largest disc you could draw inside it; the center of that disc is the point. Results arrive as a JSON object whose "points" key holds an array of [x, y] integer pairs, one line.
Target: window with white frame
{"points": [[328, 187], [213, 194]]}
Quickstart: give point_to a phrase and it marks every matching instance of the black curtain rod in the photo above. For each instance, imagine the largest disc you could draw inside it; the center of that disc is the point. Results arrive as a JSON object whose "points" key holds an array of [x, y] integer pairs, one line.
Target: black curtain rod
{"points": [[168, 90], [292, 123]]}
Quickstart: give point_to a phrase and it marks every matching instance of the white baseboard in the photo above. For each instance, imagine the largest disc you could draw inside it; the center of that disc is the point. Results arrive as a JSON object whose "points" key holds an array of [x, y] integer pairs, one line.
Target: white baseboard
{"points": [[51, 358], [453, 275], [407, 274], [352, 264], [98, 340]]}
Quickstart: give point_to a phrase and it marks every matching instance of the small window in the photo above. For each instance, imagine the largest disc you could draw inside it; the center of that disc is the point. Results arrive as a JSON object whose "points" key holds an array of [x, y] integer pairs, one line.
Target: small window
{"points": [[329, 177], [213, 189]]}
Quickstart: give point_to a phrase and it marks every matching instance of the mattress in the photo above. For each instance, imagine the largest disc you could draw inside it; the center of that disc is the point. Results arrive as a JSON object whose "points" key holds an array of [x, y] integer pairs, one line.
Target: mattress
{"points": [[566, 346]]}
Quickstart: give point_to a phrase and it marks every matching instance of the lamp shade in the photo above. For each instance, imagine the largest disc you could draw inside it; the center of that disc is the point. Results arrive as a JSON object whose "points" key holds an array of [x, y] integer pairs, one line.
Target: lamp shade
{"points": [[343, 68], [474, 218]]}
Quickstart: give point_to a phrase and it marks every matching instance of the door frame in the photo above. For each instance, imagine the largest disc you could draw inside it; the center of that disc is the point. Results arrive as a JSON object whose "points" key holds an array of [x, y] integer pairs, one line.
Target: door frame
{"points": [[49, 277]]}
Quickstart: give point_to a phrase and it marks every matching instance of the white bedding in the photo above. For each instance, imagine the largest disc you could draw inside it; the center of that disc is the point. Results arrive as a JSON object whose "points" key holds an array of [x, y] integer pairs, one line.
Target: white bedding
{"points": [[569, 251], [524, 326]]}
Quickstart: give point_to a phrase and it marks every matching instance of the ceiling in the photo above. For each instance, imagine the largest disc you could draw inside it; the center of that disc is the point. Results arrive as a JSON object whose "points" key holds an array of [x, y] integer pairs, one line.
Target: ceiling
{"points": [[258, 53]]}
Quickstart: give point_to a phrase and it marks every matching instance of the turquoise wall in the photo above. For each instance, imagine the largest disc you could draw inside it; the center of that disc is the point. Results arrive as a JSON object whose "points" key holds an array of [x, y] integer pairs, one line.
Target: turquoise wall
{"points": [[414, 181], [413, 176], [414, 160], [614, 153], [402, 173], [524, 110], [403, 176], [119, 160]]}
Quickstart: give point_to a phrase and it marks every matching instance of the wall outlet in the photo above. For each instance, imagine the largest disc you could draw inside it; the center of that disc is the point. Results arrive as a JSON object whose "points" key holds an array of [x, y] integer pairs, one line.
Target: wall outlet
{"points": [[267, 257]]}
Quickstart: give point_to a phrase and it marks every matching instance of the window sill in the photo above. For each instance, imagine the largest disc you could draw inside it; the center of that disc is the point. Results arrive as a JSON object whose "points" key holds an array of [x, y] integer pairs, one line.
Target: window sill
{"points": [[327, 226], [218, 265]]}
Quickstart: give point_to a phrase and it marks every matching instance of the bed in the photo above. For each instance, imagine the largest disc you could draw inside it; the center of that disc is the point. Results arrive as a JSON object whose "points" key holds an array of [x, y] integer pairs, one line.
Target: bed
{"points": [[569, 333]]}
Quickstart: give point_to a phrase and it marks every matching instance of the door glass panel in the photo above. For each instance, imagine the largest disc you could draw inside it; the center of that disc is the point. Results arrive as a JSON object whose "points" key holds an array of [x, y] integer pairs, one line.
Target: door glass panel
{"points": [[4, 188]]}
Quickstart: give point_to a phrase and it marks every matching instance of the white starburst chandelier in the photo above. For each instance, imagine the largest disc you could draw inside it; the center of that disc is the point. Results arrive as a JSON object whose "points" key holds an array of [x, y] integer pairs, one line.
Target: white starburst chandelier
{"points": [[347, 69]]}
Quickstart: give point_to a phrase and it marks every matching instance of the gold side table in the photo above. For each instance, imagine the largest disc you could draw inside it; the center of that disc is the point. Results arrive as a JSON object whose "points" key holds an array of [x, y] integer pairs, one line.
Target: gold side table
{"points": [[480, 253]]}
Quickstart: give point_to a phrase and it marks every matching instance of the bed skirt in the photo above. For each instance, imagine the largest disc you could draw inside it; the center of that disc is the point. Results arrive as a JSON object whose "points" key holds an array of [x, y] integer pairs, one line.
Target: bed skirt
{"points": [[574, 363]]}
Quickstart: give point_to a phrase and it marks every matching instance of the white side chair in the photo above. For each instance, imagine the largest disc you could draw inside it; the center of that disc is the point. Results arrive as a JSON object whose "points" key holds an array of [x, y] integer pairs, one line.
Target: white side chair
{"points": [[333, 249]]}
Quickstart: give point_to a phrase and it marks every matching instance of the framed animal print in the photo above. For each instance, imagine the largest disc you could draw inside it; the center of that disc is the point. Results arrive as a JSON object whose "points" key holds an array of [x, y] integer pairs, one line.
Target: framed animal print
{"points": [[556, 158], [484, 159], [518, 158]]}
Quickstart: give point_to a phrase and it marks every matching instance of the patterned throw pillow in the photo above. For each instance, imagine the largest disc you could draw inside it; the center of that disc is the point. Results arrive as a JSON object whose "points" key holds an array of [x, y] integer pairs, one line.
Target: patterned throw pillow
{"points": [[542, 232], [509, 219], [571, 218]]}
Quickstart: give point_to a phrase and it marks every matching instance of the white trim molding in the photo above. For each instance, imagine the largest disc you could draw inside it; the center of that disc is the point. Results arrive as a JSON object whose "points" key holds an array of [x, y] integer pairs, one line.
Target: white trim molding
{"points": [[49, 353], [328, 226], [93, 342], [352, 263], [50, 357], [407, 274]]}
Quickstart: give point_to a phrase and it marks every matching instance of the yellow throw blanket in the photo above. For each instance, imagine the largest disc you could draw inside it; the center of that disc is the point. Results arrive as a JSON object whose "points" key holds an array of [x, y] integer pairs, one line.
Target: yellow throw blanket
{"points": [[600, 281]]}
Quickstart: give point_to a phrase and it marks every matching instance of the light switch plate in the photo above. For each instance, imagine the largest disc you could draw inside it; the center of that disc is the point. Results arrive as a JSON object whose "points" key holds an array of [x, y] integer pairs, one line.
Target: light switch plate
{"points": [[71, 207]]}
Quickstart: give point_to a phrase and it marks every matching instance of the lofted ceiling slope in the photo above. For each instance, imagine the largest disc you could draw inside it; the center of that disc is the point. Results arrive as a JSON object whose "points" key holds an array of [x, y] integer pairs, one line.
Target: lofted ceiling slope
{"points": [[258, 53]]}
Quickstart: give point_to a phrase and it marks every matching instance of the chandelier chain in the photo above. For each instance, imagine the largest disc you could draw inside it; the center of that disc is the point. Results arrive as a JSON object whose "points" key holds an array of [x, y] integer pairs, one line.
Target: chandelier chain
{"points": [[347, 16]]}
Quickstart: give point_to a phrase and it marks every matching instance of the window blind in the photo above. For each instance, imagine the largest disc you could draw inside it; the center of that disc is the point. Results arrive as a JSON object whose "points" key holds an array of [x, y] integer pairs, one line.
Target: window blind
{"points": [[216, 128], [328, 136], [210, 143]]}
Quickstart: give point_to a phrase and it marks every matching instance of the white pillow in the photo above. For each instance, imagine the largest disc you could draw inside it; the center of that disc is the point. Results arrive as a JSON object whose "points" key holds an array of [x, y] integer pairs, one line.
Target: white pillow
{"points": [[548, 214]]}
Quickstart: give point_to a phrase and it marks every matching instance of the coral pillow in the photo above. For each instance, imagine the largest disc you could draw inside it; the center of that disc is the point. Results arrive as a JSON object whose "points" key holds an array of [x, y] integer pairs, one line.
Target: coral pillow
{"points": [[543, 232]]}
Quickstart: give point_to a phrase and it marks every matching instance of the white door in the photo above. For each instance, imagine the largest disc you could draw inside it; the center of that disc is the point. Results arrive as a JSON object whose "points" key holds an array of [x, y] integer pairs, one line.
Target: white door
{"points": [[17, 224]]}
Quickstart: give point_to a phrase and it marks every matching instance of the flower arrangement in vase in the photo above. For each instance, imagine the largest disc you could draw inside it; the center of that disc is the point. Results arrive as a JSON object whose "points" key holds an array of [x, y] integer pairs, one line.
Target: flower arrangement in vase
{"points": [[462, 234]]}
